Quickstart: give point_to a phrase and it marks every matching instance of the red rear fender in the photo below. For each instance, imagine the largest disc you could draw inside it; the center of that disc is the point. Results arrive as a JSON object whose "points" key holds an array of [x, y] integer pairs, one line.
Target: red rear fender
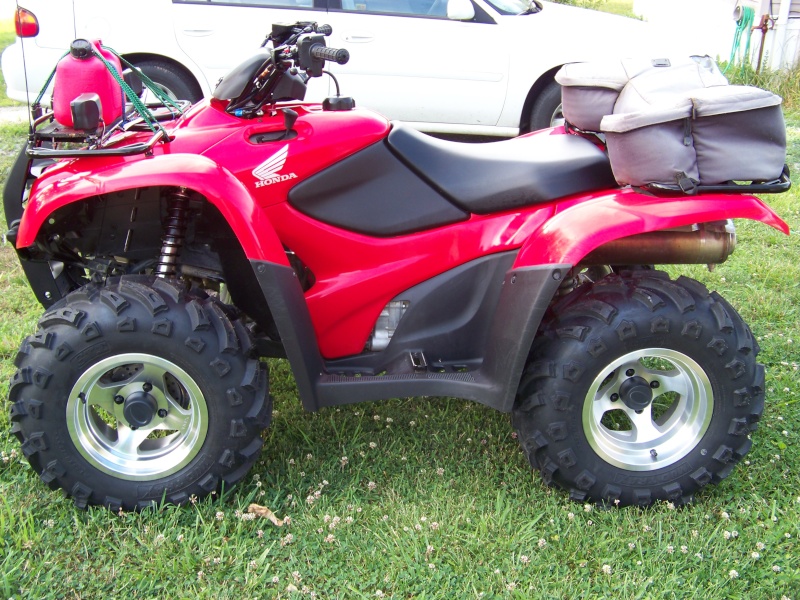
{"points": [[78, 180], [579, 227]]}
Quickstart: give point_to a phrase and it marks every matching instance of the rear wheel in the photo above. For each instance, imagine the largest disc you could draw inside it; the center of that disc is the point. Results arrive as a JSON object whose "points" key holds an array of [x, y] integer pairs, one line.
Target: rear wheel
{"points": [[640, 389], [173, 81], [137, 393]]}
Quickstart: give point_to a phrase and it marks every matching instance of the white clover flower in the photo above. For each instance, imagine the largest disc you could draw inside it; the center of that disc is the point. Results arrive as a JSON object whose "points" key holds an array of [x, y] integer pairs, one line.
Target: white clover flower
{"points": [[607, 569], [733, 573]]}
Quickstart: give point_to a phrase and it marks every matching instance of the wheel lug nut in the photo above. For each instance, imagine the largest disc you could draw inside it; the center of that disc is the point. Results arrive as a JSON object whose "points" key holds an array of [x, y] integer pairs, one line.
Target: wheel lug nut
{"points": [[640, 411], [630, 373], [654, 384], [147, 387], [614, 397], [119, 399], [162, 412]]}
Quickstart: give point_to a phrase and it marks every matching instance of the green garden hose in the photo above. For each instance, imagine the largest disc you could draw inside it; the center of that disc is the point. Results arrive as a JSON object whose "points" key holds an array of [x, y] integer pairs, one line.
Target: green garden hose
{"points": [[744, 26]]}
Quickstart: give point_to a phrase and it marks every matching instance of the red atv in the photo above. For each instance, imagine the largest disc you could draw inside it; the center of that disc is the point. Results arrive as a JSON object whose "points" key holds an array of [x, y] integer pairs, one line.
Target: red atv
{"points": [[177, 246]]}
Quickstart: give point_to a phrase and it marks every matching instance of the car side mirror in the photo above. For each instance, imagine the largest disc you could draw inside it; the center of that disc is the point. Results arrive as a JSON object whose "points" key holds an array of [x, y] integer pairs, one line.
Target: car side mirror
{"points": [[460, 10]]}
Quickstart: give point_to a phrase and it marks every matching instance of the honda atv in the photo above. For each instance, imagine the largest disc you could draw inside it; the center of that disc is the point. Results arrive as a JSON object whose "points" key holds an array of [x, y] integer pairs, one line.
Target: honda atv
{"points": [[174, 247]]}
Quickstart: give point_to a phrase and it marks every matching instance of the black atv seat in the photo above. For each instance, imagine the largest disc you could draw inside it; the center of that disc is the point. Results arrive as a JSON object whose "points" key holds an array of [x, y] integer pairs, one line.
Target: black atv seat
{"points": [[498, 176]]}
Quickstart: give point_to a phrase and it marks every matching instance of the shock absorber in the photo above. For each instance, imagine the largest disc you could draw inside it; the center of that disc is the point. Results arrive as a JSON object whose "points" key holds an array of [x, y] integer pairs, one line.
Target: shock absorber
{"points": [[175, 234]]}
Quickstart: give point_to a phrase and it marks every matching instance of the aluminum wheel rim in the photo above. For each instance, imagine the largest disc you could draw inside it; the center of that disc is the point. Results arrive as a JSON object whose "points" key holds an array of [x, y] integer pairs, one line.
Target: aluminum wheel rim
{"points": [[100, 431], [557, 118], [652, 442]]}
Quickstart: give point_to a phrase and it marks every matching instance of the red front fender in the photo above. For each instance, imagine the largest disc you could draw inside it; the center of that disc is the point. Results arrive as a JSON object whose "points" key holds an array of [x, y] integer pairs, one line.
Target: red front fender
{"points": [[77, 180], [578, 228]]}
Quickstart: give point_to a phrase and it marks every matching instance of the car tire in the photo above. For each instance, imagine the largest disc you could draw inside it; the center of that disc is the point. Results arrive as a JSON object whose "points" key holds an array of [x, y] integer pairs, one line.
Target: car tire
{"points": [[639, 389], [546, 111], [178, 84], [137, 393]]}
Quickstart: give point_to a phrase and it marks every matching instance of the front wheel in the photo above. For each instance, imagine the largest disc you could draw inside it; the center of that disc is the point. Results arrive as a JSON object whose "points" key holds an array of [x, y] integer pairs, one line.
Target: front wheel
{"points": [[137, 393], [640, 389], [546, 111]]}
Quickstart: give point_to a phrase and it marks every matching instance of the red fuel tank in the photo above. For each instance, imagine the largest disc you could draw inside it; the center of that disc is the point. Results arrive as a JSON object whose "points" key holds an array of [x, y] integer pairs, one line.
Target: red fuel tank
{"points": [[80, 72]]}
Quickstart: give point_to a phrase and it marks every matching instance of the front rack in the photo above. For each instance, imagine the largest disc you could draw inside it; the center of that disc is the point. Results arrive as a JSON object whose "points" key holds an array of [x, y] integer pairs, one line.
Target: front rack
{"points": [[47, 135]]}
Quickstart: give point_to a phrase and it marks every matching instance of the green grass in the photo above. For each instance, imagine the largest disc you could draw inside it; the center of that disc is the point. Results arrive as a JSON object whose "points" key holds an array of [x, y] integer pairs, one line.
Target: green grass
{"points": [[617, 7]]}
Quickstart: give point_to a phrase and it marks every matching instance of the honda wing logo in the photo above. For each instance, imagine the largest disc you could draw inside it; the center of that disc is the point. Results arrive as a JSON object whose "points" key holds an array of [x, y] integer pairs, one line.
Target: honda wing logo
{"points": [[268, 172]]}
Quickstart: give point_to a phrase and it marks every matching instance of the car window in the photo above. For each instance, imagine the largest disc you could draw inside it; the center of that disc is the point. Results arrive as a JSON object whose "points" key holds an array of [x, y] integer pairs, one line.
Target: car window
{"points": [[428, 8], [256, 3], [511, 7]]}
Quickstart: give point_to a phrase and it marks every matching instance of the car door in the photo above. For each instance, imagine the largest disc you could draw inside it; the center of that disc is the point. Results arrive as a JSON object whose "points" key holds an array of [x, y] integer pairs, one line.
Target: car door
{"points": [[410, 62], [219, 34]]}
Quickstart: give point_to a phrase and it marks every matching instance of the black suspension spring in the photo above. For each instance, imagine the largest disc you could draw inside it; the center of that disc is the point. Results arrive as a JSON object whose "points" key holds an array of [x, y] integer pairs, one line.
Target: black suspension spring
{"points": [[175, 234]]}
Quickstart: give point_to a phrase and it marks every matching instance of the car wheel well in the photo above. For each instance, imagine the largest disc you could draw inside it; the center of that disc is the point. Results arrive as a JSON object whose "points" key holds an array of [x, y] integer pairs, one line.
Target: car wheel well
{"points": [[137, 58], [537, 88]]}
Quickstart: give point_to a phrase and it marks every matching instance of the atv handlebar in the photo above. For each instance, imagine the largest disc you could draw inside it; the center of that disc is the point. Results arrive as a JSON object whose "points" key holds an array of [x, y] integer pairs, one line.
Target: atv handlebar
{"points": [[293, 53], [337, 55]]}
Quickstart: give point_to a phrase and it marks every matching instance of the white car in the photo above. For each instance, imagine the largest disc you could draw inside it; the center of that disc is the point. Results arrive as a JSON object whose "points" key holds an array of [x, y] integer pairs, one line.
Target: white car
{"points": [[449, 66]]}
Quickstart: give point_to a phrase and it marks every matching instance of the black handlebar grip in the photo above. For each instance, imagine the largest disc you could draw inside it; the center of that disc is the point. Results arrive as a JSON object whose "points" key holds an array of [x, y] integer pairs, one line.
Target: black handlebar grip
{"points": [[337, 55], [325, 30]]}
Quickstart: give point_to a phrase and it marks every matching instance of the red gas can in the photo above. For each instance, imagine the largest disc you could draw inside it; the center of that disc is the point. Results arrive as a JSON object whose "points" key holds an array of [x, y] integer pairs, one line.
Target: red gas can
{"points": [[80, 72]]}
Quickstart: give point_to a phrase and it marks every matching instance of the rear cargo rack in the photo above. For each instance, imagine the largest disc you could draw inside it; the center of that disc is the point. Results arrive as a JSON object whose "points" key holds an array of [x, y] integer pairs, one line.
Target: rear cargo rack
{"points": [[689, 187]]}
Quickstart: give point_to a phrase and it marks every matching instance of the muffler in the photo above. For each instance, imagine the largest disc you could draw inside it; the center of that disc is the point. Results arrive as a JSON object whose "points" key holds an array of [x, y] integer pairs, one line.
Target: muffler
{"points": [[702, 244]]}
